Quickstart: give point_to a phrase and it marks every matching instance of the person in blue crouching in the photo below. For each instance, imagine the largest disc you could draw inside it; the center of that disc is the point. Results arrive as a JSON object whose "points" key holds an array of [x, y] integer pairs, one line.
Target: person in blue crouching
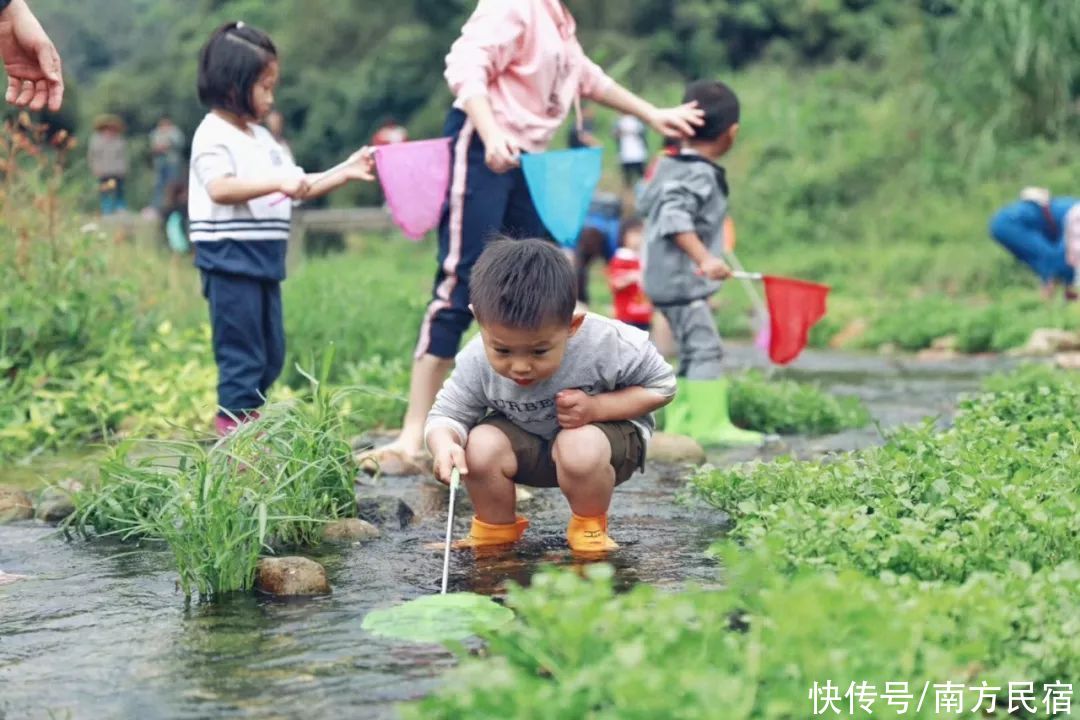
{"points": [[1036, 230]]}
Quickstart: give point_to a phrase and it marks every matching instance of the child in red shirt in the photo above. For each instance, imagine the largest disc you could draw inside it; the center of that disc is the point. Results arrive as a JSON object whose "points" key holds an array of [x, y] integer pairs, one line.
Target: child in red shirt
{"points": [[624, 277]]}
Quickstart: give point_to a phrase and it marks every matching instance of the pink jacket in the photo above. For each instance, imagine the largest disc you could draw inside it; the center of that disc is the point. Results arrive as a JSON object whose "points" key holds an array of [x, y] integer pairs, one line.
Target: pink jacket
{"points": [[524, 55]]}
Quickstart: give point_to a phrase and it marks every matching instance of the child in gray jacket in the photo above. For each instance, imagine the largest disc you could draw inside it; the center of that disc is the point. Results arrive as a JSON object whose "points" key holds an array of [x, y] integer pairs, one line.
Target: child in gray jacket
{"points": [[545, 396], [685, 205]]}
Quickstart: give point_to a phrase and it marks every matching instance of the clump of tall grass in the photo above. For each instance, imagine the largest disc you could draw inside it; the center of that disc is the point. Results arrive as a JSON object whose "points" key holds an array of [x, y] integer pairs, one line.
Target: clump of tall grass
{"points": [[219, 506]]}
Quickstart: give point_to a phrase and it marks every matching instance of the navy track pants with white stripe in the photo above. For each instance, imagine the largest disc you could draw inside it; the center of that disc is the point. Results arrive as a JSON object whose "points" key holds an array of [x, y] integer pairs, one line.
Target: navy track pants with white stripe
{"points": [[248, 338], [481, 205]]}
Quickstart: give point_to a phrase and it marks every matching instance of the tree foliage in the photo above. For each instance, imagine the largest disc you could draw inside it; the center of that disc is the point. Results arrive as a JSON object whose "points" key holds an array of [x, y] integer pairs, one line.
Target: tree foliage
{"points": [[1000, 67]]}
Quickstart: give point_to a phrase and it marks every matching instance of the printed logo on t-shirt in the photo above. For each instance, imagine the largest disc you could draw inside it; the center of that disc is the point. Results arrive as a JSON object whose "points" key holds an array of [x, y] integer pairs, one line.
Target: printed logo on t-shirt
{"points": [[537, 411]]}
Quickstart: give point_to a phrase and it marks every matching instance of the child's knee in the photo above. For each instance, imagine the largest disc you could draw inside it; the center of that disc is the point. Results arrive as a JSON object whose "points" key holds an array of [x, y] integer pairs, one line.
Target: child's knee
{"points": [[489, 449], [581, 451]]}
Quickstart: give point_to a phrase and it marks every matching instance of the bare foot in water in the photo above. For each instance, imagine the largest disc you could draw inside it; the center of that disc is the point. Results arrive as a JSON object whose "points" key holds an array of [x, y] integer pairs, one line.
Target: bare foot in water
{"points": [[393, 461]]}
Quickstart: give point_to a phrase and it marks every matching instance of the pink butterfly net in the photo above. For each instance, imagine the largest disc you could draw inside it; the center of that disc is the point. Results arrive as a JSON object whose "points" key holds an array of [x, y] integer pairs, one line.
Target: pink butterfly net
{"points": [[415, 177]]}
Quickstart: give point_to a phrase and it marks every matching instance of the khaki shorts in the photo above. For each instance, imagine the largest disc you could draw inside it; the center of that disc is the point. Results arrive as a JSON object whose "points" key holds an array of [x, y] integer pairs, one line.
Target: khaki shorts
{"points": [[536, 468]]}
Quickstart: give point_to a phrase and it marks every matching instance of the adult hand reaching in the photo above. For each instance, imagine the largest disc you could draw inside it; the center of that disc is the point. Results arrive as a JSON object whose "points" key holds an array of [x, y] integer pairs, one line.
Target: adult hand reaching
{"points": [[680, 121], [35, 79]]}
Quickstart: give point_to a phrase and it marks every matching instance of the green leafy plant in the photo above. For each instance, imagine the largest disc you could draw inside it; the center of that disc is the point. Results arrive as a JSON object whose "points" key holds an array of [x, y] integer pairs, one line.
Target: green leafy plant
{"points": [[995, 489], [579, 650], [941, 557]]}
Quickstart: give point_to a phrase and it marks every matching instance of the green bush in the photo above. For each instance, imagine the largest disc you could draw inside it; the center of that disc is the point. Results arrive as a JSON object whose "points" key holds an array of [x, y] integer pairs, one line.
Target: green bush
{"points": [[988, 327], [1012, 83], [159, 388], [97, 334], [776, 405], [382, 390]]}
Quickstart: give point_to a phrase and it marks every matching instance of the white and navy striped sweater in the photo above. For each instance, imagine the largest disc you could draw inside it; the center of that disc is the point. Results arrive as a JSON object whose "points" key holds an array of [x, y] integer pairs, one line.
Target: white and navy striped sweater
{"points": [[251, 238]]}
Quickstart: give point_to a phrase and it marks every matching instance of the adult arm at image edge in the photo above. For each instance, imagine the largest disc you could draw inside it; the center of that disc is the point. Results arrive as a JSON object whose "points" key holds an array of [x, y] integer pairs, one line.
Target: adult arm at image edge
{"points": [[35, 76]]}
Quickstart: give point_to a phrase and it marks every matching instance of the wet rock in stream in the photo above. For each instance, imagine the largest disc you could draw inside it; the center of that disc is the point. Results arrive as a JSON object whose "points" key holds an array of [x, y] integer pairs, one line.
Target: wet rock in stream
{"points": [[291, 577], [350, 529], [54, 505], [383, 510]]}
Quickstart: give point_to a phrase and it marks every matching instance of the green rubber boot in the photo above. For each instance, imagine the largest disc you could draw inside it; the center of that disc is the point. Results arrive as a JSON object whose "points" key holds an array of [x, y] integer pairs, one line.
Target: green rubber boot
{"points": [[707, 418], [675, 418]]}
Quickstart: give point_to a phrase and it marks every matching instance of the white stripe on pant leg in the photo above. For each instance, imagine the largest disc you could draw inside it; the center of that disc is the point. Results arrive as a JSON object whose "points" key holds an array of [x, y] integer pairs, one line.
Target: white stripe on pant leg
{"points": [[456, 221]]}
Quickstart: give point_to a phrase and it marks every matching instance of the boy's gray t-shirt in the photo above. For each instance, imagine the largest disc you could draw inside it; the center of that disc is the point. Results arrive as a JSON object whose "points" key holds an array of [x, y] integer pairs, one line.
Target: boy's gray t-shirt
{"points": [[688, 193], [604, 355]]}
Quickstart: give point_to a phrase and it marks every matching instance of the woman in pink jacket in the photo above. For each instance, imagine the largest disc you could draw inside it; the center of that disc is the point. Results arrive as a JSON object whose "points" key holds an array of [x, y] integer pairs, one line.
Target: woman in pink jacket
{"points": [[517, 71]]}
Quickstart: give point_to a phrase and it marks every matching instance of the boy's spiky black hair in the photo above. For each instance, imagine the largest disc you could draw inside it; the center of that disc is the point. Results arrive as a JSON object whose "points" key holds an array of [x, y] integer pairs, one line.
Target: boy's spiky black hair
{"points": [[527, 284], [720, 104]]}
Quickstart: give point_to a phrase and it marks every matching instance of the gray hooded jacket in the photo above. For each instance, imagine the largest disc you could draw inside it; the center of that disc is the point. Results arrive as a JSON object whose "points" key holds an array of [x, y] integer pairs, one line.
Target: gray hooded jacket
{"points": [[688, 193]]}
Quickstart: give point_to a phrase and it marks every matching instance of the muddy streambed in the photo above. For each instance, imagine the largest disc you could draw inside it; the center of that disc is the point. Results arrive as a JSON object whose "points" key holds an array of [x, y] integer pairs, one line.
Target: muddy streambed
{"points": [[98, 630]]}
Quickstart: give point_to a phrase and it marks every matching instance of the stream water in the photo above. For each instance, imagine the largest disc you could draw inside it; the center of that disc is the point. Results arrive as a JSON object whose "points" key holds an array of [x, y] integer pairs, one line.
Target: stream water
{"points": [[98, 630]]}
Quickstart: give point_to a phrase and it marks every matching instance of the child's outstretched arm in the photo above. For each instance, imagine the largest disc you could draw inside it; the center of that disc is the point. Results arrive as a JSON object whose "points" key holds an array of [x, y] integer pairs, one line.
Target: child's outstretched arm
{"points": [[622, 279], [359, 167], [231, 190], [458, 407]]}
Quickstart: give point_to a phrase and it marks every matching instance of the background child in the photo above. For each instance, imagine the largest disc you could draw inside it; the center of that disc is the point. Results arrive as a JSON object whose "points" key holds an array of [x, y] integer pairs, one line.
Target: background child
{"points": [[685, 205], [624, 276], [599, 238], [167, 150], [544, 397], [633, 149], [108, 159], [238, 227], [516, 71]]}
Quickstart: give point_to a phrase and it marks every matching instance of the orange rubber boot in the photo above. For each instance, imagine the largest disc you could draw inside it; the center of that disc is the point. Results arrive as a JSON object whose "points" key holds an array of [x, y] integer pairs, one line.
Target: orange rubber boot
{"points": [[589, 534], [484, 534]]}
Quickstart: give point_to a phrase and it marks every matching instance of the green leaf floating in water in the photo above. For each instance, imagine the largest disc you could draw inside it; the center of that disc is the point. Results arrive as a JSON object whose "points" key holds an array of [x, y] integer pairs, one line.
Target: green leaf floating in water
{"points": [[438, 618]]}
